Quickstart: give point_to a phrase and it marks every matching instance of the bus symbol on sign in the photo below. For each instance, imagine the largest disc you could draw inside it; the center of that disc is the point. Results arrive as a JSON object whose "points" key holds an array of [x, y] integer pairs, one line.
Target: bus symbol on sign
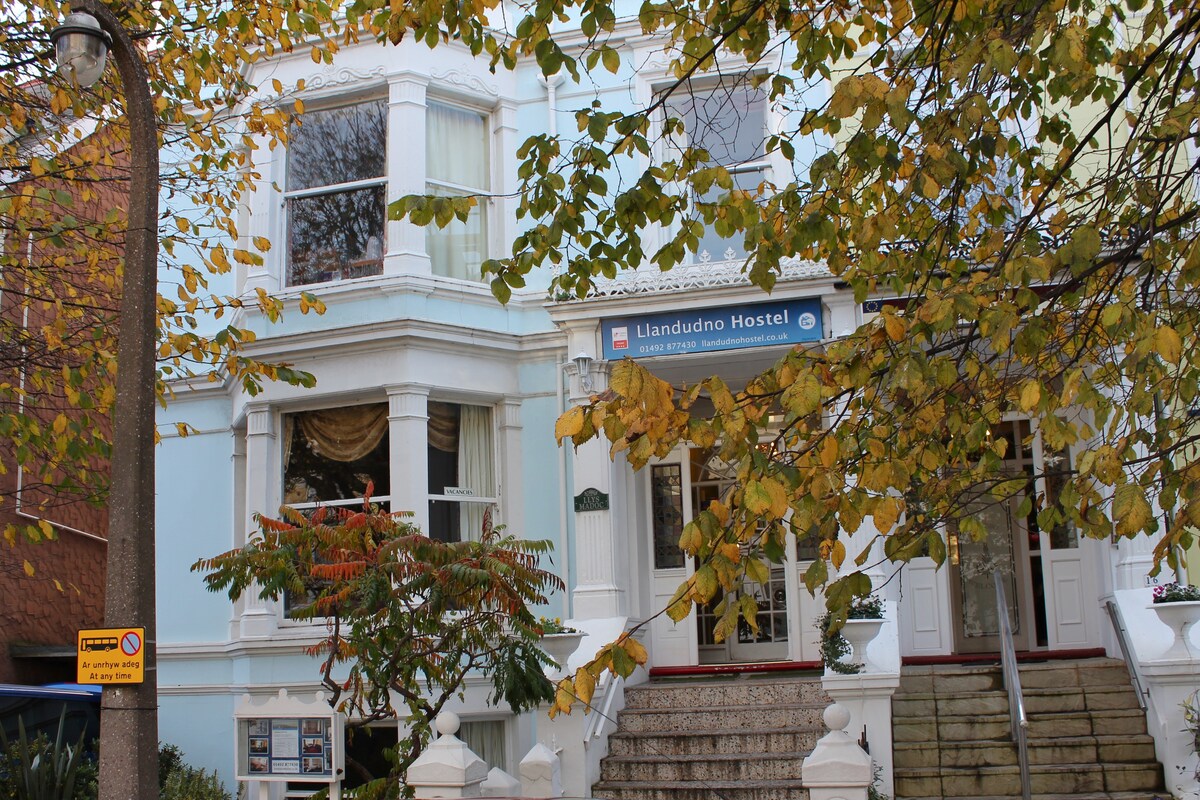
{"points": [[111, 655], [94, 644]]}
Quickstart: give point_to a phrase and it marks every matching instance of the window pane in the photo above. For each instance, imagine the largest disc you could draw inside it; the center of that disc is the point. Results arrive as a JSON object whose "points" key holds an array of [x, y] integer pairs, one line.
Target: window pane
{"points": [[666, 505], [456, 153], [457, 250], [729, 121], [336, 236], [1057, 464], [337, 145], [713, 246], [456, 146], [332, 454], [461, 464], [486, 738]]}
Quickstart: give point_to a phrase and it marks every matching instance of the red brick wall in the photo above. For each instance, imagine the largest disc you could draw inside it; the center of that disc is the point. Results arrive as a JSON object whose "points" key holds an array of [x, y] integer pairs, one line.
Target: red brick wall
{"points": [[66, 590], [34, 611]]}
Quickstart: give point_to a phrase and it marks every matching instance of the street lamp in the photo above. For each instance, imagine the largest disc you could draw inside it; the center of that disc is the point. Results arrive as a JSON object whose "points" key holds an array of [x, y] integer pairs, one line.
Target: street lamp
{"points": [[129, 732]]}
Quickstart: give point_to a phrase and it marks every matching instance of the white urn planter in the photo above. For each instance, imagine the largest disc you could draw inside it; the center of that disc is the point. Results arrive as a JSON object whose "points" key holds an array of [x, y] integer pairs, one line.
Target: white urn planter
{"points": [[560, 646], [858, 633], [1179, 617]]}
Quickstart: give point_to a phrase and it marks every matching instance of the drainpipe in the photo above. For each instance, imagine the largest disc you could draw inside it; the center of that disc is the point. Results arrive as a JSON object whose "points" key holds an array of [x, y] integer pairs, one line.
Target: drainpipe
{"points": [[551, 85], [563, 493], [21, 369]]}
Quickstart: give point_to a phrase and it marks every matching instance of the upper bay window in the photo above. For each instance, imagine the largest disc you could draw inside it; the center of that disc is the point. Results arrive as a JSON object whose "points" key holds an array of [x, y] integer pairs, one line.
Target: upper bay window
{"points": [[729, 121], [457, 164], [336, 193]]}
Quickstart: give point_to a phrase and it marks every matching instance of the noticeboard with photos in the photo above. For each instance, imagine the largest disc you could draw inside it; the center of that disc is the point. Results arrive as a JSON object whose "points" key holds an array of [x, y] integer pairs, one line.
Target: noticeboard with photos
{"points": [[290, 748]]}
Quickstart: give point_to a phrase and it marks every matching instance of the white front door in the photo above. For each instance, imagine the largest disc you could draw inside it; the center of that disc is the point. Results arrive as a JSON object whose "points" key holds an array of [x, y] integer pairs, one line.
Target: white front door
{"points": [[680, 487], [1067, 581], [1047, 578]]}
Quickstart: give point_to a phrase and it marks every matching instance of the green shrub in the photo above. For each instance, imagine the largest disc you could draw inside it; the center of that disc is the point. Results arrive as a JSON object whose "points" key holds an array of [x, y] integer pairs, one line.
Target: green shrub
{"points": [[178, 781], [35, 769]]}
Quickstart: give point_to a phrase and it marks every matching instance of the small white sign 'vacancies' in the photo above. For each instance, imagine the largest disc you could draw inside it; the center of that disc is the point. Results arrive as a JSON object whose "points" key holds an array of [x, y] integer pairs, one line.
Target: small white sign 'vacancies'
{"points": [[458, 491]]}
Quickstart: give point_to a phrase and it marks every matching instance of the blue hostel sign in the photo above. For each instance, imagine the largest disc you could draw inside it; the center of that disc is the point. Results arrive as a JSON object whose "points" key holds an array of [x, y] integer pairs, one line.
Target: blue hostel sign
{"points": [[705, 330]]}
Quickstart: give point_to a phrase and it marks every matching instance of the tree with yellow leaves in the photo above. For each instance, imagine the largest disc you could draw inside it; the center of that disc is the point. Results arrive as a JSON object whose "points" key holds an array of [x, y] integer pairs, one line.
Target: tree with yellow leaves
{"points": [[1014, 183], [64, 168]]}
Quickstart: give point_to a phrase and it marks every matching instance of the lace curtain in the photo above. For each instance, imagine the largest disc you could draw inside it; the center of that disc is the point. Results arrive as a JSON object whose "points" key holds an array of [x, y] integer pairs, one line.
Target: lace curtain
{"points": [[457, 164]]}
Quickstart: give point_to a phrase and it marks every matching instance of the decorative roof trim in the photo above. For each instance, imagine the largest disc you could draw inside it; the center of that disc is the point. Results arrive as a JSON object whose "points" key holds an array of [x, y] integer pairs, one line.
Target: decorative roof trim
{"points": [[700, 275], [329, 78], [466, 81]]}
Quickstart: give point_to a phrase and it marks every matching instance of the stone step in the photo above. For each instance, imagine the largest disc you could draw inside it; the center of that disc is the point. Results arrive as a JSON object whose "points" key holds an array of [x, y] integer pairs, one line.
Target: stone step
{"points": [[1058, 780], [748, 691], [1056, 796], [967, 728], [659, 769], [732, 718], [955, 679], [715, 742], [1037, 701], [1090, 750], [701, 790]]}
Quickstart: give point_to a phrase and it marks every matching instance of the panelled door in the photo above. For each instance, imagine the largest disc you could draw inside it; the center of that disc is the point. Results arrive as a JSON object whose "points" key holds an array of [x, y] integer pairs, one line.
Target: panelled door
{"points": [[681, 487], [1045, 579]]}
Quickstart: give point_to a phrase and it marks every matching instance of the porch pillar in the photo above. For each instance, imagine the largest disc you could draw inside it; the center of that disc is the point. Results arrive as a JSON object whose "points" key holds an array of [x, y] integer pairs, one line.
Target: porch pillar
{"points": [[837, 769], [1135, 559], [597, 545]]}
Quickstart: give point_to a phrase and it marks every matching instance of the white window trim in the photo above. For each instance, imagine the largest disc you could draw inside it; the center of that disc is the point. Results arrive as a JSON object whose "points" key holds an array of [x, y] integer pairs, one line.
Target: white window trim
{"points": [[494, 500], [488, 197], [329, 103]]}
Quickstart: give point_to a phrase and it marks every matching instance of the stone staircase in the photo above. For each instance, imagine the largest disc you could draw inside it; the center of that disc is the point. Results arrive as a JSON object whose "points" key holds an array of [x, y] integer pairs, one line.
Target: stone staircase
{"points": [[1087, 736], [741, 738]]}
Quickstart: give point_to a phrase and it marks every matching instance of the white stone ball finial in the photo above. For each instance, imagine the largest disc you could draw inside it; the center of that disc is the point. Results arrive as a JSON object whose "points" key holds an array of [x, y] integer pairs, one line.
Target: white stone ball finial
{"points": [[447, 723], [836, 717]]}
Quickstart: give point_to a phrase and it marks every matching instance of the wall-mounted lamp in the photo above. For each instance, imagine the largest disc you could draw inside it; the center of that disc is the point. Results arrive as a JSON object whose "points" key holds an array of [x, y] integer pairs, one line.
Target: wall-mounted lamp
{"points": [[583, 365]]}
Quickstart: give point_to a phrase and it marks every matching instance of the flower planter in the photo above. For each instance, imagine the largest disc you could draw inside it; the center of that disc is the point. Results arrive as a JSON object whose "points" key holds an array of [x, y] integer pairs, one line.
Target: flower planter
{"points": [[1179, 617], [560, 646], [858, 633]]}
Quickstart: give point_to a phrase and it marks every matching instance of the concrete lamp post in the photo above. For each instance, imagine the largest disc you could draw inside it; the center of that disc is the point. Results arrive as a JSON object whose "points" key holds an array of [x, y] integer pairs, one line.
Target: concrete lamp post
{"points": [[129, 733]]}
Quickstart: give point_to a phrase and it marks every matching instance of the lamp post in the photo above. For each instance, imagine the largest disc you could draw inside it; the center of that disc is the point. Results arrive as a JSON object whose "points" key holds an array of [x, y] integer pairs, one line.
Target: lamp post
{"points": [[129, 733]]}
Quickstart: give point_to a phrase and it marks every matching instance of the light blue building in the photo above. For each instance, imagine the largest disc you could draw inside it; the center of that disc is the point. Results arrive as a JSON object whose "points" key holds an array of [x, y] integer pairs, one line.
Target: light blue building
{"points": [[447, 400]]}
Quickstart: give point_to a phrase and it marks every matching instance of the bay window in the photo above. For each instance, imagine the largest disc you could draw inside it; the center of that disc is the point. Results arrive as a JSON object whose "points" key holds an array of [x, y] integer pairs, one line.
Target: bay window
{"points": [[457, 165], [335, 193]]}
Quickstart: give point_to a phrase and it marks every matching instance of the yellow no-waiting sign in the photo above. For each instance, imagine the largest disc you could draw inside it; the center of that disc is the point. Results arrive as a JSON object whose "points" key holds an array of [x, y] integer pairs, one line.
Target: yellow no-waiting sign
{"points": [[111, 655]]}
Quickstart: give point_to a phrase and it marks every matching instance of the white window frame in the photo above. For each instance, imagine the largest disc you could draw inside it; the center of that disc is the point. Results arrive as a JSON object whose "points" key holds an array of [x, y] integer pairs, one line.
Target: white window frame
{"points": [[330, 189], [492, 500], [486, 196]]}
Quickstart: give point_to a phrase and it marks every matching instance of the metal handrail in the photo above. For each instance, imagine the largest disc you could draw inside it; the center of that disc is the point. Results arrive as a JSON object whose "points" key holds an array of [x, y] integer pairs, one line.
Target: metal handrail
{"points": [[594, 724], [1118, 623], [1018, 721]]}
